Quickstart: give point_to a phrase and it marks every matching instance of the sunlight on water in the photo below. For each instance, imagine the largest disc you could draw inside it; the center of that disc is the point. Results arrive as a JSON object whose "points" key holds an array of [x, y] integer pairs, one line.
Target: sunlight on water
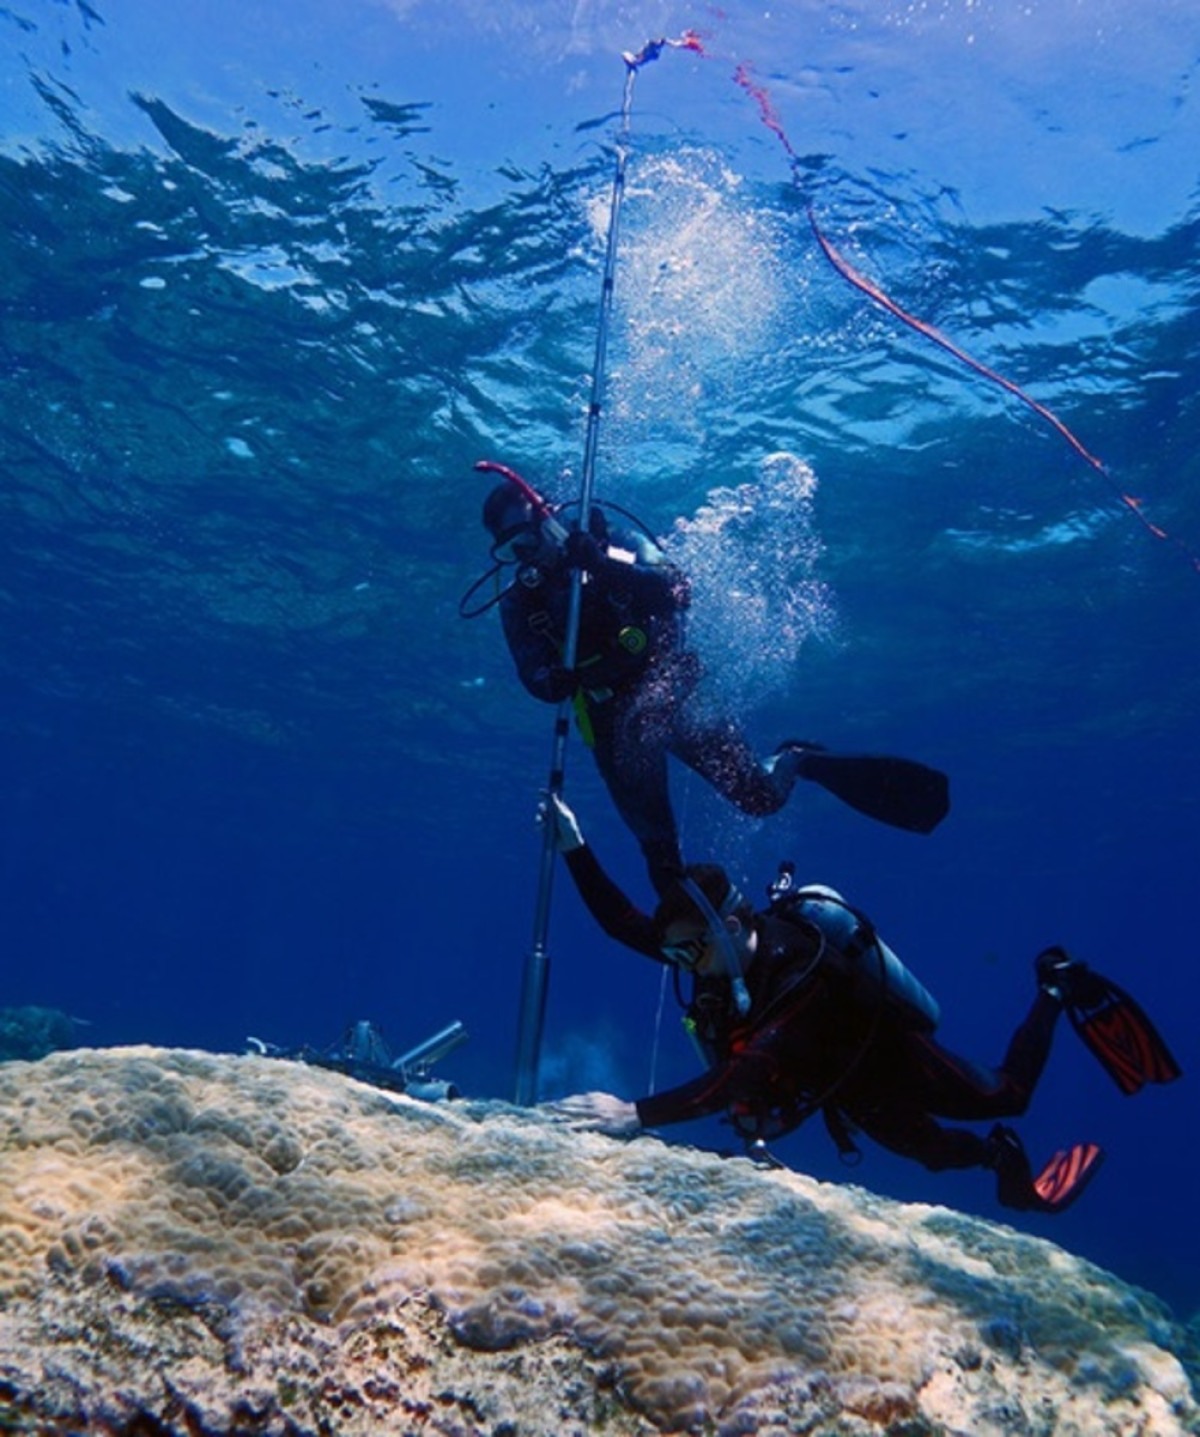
{"points": [[1077, 529]]}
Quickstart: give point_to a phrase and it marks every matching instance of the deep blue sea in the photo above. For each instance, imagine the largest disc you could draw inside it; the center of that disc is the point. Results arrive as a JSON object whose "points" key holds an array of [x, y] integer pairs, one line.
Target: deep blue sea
{"points": [[273, 278]]}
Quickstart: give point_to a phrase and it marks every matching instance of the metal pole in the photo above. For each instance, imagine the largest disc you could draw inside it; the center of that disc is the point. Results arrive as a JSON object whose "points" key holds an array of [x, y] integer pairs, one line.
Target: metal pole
{"points": [[536, 978]]}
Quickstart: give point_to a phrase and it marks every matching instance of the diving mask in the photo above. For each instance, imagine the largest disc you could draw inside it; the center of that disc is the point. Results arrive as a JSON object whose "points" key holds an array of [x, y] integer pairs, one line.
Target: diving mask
{"points": [[719, 934], [518, 545]]}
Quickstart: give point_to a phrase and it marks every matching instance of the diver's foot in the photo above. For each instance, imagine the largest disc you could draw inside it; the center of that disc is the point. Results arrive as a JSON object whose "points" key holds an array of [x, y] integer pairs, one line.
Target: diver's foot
{"points": [[1006, 1157], [791, 754], [1055, 1188], [1066, 978]]}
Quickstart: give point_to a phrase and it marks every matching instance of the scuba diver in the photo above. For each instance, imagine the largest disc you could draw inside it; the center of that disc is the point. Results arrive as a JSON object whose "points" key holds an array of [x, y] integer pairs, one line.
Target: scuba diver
{"points": [[634, 680], [803, 1008]]}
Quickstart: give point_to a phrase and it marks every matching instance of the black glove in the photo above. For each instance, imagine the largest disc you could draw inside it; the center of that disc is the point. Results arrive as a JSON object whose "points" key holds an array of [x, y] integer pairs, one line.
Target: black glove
{"points": [[555, 683], [583, 552]]}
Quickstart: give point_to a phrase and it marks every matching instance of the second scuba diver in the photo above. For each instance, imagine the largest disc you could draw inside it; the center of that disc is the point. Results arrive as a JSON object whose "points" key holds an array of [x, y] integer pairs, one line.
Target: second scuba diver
{"points": [[803, 1008], [634, 681]]}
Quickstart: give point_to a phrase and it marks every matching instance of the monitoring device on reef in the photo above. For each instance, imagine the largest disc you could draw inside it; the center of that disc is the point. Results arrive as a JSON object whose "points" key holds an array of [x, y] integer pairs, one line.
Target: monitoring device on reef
{"points": [[364, 1054]]}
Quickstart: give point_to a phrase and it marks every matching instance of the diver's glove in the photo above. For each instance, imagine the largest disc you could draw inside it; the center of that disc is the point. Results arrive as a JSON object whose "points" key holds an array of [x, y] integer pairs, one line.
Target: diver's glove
{"points": [[552, 683], [583, 551], [596, 1113], [568, 836]]}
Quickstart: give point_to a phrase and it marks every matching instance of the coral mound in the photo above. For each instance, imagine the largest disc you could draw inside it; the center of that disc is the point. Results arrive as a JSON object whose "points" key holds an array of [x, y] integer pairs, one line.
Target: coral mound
{"points": [[192, 1243]]}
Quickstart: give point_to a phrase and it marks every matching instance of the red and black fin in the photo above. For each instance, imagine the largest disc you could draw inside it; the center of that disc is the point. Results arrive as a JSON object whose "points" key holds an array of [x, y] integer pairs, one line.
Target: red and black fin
{"points": [[1066, 1175], [1116, 1029]]}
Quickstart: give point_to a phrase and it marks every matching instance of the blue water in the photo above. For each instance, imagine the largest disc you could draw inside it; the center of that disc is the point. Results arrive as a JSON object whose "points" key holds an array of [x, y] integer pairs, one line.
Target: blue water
{"points": [[272, 280]]}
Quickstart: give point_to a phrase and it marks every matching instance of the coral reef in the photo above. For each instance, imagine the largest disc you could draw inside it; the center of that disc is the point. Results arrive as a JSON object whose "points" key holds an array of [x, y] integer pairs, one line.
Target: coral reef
{"points": [[32, 1032], [194, 1243]]}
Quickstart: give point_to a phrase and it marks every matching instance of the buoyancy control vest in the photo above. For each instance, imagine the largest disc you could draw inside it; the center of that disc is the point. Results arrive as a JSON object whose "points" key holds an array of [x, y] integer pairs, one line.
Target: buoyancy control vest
{"points": [[853, 949], [631, 615]]}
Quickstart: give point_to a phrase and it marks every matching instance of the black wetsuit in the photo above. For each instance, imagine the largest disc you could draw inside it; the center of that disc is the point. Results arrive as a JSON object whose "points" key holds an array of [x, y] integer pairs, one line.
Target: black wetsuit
{"points": [[809, 1042], [634, 680]]}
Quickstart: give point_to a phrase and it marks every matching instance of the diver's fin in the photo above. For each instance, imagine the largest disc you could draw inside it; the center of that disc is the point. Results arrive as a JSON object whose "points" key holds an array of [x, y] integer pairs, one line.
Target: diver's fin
{"points": [[898, 791], [1119, 1033], [1058, 1184], [1066, 1175]]}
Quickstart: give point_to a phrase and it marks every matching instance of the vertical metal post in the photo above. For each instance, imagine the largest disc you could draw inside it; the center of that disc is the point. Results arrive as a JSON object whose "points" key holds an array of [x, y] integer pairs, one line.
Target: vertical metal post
{"points": [[536, 978]]}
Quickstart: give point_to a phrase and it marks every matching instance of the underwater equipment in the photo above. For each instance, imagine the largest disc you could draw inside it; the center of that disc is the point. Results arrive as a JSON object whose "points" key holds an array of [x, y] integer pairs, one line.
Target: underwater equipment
{"points": [[646, 547], [899, 791], [1061, 1181], [1066, 1175], [847, 938], [523, 494], [686, 953], [364, 1054], [468, 608], [513, 524], [504, 509], [536, 973], [1113, 1025], [762, 1156], [721, 936], [546, 511]]}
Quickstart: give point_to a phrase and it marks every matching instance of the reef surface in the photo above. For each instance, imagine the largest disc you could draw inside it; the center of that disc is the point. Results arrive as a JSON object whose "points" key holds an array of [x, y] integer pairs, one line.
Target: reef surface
{"points": [[194, 1243]]}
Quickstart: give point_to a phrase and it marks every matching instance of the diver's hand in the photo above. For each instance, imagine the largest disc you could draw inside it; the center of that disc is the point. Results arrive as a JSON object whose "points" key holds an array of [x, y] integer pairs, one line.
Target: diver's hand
{"points": [[596, 1113], [552, 683], [583, 551], [568, 836]]}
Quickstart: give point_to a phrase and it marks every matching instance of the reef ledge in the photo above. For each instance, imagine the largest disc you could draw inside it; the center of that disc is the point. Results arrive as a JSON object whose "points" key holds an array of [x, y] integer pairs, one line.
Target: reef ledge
{"points": [[195, 1243]]}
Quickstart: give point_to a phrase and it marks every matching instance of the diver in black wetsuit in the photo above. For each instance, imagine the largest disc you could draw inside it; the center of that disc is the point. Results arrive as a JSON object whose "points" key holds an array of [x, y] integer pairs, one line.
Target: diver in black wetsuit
{"points": [[634, 681], [802, 1007]]}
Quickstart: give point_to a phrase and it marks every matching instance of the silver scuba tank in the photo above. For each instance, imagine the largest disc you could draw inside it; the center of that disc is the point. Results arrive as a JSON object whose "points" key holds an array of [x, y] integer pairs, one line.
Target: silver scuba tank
{"points": [[865, 958]]}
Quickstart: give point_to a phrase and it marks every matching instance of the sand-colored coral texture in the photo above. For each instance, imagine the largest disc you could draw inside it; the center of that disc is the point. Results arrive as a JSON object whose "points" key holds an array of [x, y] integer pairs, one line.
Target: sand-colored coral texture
{"points": [[196, 1243]]}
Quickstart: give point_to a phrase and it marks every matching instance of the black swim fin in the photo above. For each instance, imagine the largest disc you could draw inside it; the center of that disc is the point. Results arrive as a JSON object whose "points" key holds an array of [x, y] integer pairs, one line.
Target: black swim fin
{"points": [[898, 791], [1117, 1030]]}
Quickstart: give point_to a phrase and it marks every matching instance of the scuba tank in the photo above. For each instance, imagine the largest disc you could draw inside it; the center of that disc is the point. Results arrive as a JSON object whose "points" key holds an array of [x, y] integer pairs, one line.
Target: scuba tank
{"points": [[854, 949]]}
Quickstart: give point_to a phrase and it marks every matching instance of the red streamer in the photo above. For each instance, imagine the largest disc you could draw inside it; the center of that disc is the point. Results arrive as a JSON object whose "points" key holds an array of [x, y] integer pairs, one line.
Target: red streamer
{"points": [[758, 93]]}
